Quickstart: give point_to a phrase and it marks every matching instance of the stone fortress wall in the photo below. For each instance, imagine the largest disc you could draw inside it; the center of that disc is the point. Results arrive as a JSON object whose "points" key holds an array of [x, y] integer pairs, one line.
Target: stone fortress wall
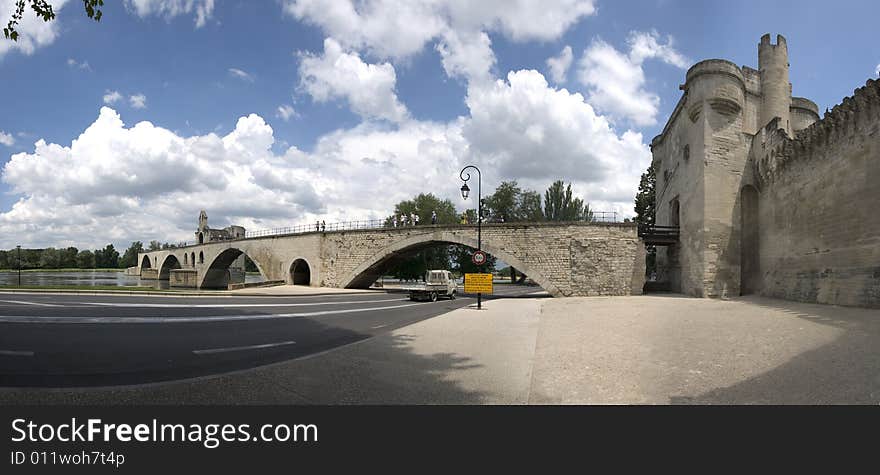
{"points": [[819, 233], [770, 199]]}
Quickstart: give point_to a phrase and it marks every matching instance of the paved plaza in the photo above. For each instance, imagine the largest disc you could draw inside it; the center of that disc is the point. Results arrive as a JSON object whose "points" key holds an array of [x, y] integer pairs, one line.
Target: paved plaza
{"points": [[600, 350]]}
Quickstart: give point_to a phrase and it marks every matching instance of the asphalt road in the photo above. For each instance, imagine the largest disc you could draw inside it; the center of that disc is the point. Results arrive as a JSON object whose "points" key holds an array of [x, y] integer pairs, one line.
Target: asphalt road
{"points": [[105, 340]]}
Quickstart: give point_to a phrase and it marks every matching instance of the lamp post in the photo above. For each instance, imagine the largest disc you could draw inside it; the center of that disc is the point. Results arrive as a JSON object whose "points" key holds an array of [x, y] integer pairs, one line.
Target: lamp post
{"points": [[465, 190], [18, 249]]}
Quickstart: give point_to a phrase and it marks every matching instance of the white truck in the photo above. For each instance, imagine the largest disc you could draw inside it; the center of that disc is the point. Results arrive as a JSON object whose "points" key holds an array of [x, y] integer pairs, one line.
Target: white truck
{"points": [[438, 283]]}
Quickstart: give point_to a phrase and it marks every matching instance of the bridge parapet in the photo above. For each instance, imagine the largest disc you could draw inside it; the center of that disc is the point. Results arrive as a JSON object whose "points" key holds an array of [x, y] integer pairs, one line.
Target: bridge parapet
{"points": [[566, 259]]}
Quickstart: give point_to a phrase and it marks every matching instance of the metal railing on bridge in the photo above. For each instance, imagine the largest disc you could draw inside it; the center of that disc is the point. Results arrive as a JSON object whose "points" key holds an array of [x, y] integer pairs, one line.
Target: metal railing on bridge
{"points": [[597, 217], [319, 227], [659, 235]]}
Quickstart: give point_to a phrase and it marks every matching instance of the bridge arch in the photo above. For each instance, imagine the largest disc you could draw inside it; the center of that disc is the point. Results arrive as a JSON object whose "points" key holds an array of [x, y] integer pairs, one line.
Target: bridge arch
{"points": [[300, 272], [146, 263], [169, 263], [366, 273], [217, 275]]}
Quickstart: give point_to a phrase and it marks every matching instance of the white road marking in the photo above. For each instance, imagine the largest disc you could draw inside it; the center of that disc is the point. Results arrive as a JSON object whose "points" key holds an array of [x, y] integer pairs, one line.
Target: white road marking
{"points": [[39, 304], [234, 305], [218, 318], [242, 348], [378, 326], [16, 353]]}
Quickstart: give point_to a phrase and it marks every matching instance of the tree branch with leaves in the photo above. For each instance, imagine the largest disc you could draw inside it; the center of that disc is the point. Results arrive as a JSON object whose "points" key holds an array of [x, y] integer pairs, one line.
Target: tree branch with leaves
{"points": [[44, 10]]}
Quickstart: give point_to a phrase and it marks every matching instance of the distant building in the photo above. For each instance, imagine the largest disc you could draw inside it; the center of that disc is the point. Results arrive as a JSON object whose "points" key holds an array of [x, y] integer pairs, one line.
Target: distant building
{"points": [[205, 234]]}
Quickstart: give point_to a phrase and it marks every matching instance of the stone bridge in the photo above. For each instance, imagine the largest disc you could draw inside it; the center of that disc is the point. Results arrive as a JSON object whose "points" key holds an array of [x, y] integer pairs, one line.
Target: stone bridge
{"points": [[566, 259]]}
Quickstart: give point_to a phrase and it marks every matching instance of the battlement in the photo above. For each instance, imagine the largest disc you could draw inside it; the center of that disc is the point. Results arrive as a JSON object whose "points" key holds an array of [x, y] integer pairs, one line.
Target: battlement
{"points": [[780, 40], [856, 117]]}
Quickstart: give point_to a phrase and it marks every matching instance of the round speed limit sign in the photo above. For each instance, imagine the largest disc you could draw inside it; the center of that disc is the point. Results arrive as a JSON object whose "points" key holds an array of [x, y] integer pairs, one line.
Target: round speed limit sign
{"points": [[479, 258]]}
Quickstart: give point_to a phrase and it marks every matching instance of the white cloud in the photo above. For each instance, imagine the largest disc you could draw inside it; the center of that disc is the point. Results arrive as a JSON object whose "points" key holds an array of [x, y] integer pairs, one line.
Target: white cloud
{"points": [[524, 129], [645, 45], [138, 101], [168, 9], [119, 184], [33, 31], [368, 88], [877, 70], [6, 139], [77, 65], [616, 80], [558, 65], [397, 30], [111, 97], [467, 55], [285, 112], [240, 74]]}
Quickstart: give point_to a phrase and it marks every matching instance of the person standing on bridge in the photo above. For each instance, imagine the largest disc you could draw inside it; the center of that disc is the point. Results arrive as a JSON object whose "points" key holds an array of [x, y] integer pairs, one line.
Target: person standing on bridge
{"points": [[394, 221], [433, 217], [323, 226], [415, 219], [317, 226]]}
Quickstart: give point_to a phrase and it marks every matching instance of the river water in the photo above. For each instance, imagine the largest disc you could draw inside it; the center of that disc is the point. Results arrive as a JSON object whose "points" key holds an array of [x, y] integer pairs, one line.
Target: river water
{"points": [[90, 278]]}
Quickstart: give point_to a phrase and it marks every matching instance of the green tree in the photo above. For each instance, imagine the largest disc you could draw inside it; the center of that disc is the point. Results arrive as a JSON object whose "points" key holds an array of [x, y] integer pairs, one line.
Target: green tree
{"points": [[107, 258], [645, 208], [44, 10], [503, 204], [423, 205], [129, 258], [529, 207], [154, 246], [85, 259], [68, 257], [4, 260], [50, 259], [561, 205], [463, 264]]}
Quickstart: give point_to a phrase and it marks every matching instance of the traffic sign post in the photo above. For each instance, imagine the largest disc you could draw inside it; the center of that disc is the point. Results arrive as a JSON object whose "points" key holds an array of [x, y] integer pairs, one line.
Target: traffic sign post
{"points": [[478, 283], [479, 258]]}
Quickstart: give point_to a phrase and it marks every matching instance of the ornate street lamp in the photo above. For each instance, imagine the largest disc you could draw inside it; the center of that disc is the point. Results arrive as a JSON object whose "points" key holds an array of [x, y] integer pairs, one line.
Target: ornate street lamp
{"points": [[465, 190]]}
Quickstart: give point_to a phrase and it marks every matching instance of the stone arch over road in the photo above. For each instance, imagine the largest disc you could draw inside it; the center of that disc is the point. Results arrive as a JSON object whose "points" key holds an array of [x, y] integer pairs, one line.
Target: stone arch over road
{"points": [[565, 258], [367, 273]]}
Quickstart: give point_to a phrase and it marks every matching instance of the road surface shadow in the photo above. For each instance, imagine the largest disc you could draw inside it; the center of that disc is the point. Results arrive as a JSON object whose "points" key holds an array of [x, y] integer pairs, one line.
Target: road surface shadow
{"points": [[378, 370], [845, 371]]}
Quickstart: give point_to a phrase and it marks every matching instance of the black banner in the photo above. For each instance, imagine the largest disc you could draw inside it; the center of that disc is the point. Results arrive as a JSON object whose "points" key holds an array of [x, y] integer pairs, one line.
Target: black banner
{"points": [[241, 439]]}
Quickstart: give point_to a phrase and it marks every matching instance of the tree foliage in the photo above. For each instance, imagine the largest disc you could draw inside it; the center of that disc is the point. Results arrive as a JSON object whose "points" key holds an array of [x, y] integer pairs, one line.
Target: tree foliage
{"points": [[560, 204], [510, 203], [129, 258], [107, 257], [645, 206], [423, 205], [44, 10]]}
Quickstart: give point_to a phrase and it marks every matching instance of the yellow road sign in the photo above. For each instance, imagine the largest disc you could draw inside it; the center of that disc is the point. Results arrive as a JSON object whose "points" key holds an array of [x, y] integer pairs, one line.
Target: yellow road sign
{"points": [[478, 283]]}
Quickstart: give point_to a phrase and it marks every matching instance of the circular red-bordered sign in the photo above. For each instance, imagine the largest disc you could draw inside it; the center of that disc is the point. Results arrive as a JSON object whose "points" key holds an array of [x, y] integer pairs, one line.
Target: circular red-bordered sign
{"points": [[479, 258]]}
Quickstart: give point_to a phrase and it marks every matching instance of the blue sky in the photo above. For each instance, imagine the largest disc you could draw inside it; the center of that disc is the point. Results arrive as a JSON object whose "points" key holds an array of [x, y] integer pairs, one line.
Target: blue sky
{"points": [[247, 60]]}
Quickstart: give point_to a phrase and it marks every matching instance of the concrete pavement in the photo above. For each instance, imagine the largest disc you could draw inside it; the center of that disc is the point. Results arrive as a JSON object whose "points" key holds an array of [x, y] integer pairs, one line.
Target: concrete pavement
{"points": [[606, 350]]}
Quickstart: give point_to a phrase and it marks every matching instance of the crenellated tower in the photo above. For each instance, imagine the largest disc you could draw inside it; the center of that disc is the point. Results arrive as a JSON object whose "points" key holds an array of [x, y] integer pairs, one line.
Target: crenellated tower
{"points": [[775, 85]]}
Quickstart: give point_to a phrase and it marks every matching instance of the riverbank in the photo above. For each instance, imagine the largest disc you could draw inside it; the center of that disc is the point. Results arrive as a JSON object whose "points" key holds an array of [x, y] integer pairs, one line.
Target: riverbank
{"points": [[71, 269], [79, 287]]}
